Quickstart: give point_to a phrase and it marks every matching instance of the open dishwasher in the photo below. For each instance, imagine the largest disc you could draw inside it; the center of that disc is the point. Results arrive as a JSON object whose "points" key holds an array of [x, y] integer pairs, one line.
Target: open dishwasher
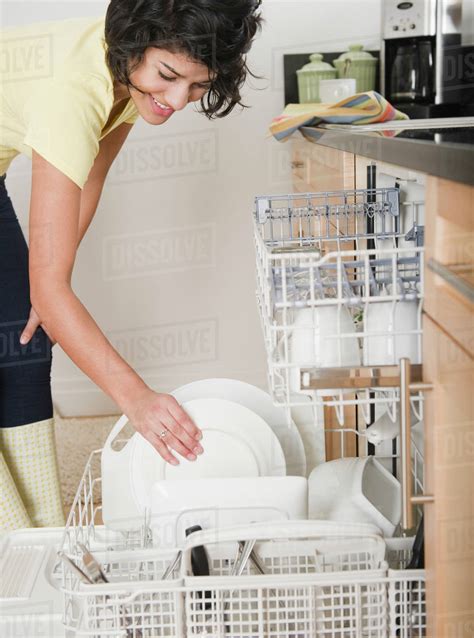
{"points": [[324, 262], [344, 251]]}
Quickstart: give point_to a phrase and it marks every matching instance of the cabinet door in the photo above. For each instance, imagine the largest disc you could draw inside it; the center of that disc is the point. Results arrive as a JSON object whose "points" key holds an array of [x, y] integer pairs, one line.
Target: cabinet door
{"points": [[449, 451], [320, 168], [449, 238]]}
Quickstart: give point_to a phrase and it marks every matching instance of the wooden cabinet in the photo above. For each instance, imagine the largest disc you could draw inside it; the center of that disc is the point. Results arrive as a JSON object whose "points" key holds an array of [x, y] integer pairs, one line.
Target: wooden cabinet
{"points": [[449, 463], [403, 174], [448, 351], [319, 168], [448, 364], [449, 240]]}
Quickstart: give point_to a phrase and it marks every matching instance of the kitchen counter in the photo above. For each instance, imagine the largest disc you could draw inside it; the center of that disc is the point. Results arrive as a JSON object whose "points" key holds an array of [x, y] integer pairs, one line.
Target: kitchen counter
{"points": [[446, 152]]}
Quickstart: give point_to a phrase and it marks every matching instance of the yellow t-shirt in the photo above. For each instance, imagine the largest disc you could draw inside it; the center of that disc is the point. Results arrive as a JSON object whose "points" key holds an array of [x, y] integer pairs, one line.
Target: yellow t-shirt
{"points": [[56, 94]]}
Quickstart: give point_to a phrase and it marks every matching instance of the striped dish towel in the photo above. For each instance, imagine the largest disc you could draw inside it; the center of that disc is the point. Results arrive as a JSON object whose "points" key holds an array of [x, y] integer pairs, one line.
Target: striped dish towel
{"points": [[362, 108]]}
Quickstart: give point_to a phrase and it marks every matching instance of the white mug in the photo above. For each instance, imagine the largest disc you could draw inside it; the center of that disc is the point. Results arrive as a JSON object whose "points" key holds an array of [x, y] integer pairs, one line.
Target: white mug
{"points": [[391, 328], [315, 342], [336, 90]]}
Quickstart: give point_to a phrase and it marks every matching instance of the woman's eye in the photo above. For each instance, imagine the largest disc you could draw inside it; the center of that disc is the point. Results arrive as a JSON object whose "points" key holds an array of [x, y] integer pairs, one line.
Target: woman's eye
{"points": [[166, 77]]}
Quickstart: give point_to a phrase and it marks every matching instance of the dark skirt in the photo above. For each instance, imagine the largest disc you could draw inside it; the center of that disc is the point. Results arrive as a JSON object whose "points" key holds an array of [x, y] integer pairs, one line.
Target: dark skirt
{"points": [[25, 371]]}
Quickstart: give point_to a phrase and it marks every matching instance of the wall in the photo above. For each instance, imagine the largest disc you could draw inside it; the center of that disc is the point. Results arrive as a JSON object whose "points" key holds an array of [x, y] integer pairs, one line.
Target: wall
{"points": [[167, 266], [468, 22]]}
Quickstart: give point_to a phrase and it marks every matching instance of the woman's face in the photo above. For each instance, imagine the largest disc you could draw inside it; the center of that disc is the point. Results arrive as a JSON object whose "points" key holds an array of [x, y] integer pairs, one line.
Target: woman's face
{"points": [[169, 81]]}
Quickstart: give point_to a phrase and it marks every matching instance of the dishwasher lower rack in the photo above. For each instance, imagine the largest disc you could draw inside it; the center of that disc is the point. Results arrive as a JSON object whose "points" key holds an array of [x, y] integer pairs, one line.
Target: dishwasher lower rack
{"points": [[338, 285], [304, 594], [382, 604], [313, 587]]}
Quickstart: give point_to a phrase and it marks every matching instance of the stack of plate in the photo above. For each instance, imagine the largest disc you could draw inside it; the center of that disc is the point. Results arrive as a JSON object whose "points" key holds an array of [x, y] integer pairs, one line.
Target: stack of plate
{"points": [[244, 437], [261, 404]]}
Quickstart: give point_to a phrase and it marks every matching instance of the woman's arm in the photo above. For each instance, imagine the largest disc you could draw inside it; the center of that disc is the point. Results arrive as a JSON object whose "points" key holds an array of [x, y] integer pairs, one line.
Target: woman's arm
{"points": [[54, 231], [90, 196], [108, 150]]}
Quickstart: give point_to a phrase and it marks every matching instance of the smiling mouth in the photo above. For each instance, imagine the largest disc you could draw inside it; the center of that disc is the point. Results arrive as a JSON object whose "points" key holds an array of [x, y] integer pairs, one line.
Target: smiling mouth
{"points": [[162, 107]]}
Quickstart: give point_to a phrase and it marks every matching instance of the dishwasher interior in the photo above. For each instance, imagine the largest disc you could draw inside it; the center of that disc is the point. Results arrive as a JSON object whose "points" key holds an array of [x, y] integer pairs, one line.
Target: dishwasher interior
{"points": [[340, 293]]}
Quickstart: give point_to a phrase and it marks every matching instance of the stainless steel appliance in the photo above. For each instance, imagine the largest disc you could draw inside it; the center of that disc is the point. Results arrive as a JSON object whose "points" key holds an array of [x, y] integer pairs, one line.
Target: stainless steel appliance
{"points": [[425, 71]]}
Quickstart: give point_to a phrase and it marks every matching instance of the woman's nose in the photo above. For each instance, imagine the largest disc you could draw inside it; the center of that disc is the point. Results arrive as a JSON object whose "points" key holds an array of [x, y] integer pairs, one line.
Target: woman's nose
{"points": [[177, 97]]}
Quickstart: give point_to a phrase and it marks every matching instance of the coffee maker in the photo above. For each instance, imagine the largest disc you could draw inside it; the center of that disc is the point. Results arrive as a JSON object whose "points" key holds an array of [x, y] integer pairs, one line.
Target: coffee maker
{"points": [[425, 72]]}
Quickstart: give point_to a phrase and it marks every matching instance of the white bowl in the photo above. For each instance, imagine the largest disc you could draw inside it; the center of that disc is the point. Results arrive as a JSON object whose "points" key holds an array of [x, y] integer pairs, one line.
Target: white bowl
{"points": [[336, 90], [223, 502], [358, 490]]}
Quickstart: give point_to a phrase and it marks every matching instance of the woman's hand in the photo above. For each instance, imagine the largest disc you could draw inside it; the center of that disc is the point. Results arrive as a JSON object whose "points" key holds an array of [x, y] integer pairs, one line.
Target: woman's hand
{"points": [[163, 422], [29, 330]]}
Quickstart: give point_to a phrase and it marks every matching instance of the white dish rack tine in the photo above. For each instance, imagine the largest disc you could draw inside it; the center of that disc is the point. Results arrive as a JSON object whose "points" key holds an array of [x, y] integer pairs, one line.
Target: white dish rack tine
{"points": [[346, 281], [318, 285], [372, 279], [309, 214]]}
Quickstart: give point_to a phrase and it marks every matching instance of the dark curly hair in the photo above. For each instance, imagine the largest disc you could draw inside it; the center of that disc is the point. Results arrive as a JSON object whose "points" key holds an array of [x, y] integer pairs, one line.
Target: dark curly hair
{"points": [[217, 33]]}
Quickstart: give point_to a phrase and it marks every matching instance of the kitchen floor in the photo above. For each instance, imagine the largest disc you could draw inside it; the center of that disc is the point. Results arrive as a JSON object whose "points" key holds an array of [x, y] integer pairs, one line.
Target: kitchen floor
{"points": [[76, 438]]}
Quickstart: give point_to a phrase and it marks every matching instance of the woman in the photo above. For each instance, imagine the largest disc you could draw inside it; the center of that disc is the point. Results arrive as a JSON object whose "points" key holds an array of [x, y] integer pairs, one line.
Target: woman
{"points": [[148, 58]]}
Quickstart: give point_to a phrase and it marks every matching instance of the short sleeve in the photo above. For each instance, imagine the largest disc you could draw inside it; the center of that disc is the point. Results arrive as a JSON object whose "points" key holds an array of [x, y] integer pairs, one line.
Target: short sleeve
{"points": [[64, 119], [132, 118]]}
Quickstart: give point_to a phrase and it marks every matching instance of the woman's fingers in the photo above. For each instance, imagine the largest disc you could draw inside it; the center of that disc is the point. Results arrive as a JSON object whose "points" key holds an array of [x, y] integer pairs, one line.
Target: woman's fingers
{"points": [[163, 422], [32, 325], [178, 439], [30, 328], [184, 420], [162, 448]]}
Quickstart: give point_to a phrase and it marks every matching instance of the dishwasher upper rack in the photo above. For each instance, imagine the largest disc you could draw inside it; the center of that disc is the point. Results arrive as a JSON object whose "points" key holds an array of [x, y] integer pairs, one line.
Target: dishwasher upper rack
{"points": [[305, 265], [298, 218], [312, 248]]}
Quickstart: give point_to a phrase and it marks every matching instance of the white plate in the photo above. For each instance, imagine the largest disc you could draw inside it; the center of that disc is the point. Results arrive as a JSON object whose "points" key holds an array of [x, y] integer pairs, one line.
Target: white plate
{"points": [[259, 402], [240, 444], [176, 505]]}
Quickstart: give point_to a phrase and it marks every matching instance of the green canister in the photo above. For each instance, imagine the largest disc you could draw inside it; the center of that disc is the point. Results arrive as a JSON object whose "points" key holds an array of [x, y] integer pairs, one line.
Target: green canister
{"points": [[309, 76], [357, 64]]}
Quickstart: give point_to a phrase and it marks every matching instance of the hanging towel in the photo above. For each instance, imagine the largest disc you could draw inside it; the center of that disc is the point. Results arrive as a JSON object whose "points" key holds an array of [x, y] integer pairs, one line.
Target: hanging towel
{"points": [[362, 108]]}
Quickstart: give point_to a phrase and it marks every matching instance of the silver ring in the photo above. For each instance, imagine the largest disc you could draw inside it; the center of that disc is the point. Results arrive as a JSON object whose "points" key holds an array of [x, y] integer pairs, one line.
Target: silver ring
{"points": [[163, 433]]}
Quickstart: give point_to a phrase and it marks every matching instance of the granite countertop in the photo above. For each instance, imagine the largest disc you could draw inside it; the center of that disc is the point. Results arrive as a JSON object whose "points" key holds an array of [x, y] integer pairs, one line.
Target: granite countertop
{"points": [[430, 147]]}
